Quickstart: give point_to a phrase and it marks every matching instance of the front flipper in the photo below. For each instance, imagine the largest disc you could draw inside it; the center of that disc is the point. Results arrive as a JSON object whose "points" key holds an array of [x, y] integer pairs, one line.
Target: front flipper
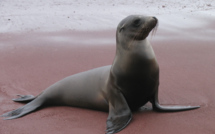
{"points": [[157, 107], [119, 112]]}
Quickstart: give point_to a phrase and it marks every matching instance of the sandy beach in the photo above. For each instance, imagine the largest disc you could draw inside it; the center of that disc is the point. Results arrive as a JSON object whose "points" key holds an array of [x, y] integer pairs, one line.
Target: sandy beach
{"points": [[43, 42]]}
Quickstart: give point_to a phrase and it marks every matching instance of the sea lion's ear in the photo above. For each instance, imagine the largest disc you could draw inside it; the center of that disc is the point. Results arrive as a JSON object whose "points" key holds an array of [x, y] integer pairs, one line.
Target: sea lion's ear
{"points": [[122, 28]]}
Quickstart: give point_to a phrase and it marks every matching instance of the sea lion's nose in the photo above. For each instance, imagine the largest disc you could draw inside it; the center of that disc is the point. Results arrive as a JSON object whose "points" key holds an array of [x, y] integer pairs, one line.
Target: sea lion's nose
{"points": [[155, 19]]}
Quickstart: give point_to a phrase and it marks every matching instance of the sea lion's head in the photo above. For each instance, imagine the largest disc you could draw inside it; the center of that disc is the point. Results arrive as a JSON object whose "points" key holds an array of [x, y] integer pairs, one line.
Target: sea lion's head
{"points": [[135, 27]]}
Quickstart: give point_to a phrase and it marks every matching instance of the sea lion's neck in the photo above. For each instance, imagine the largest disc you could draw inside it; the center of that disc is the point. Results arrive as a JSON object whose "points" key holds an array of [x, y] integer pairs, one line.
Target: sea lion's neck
{"points": [[141, 48], [138, 56]]}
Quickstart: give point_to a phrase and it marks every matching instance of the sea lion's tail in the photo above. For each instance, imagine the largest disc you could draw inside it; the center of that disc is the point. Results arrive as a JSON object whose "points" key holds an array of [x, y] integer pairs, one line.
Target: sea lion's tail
{"points": [[26, 109]]}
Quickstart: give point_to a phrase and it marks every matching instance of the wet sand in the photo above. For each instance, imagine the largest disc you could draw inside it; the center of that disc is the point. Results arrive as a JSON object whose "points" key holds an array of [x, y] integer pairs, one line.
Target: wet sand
{"points": [[29, 65], [31, 61]]}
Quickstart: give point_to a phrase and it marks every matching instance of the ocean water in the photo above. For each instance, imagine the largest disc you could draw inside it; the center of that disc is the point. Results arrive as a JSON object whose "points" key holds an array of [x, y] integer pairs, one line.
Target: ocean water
{"points": [[82, 15]]}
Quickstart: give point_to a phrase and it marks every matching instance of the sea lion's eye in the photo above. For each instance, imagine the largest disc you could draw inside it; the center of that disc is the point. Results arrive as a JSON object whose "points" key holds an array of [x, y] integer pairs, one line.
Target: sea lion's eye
{"points": [[136, 22]]}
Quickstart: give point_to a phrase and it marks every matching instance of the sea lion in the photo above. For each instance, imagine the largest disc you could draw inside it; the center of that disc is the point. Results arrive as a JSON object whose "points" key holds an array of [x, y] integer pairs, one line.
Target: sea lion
{"points": [[128, 84]]}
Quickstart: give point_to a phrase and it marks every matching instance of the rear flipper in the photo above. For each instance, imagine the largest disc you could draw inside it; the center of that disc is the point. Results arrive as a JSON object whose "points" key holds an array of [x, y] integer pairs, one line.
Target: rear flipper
{"points": [[157, 107], [24, 98], [26, 109]]}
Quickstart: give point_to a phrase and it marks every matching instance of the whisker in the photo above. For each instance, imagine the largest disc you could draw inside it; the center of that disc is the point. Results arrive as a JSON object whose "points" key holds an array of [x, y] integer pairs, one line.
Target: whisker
{"points": [[142, 32], [137, 33], [154, 30]]}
